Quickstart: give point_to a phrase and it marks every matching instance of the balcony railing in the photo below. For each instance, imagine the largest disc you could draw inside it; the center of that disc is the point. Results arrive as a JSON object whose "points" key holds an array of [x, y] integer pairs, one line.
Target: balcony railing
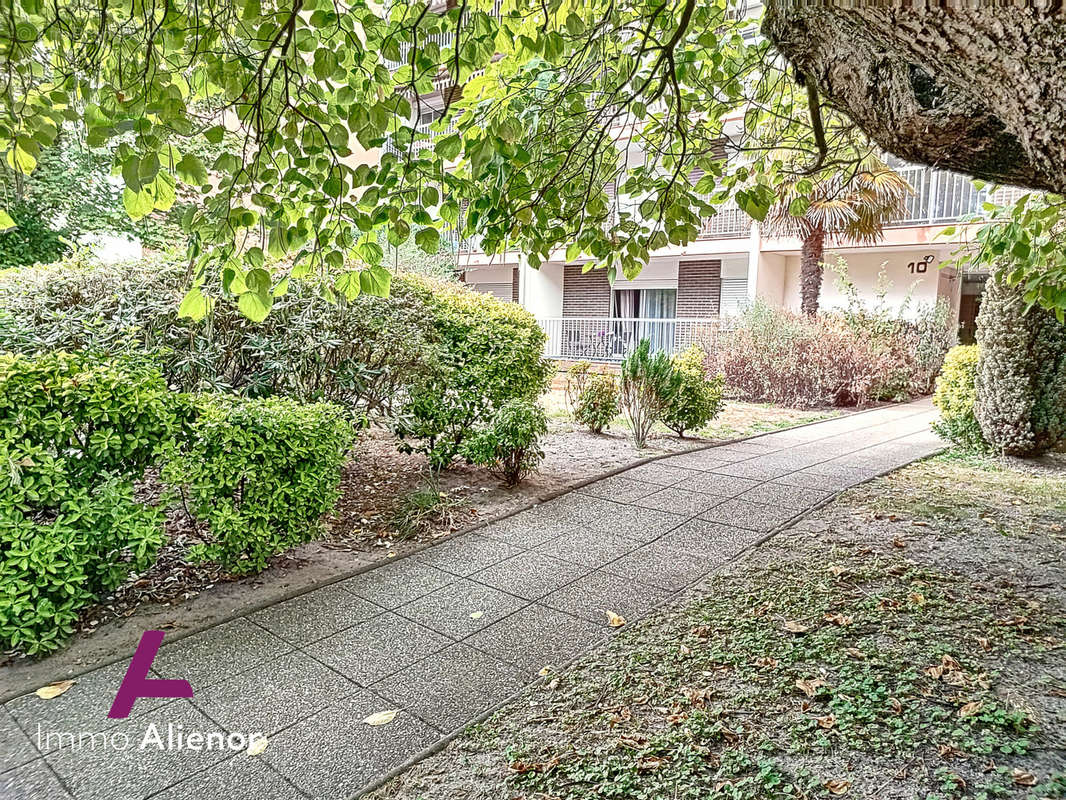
{"points": [[611, 340], [943, 197], [729, 223]]}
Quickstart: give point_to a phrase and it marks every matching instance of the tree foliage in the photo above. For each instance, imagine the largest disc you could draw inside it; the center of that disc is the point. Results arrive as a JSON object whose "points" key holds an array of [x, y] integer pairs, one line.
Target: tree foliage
{"points": [[577, 123]]}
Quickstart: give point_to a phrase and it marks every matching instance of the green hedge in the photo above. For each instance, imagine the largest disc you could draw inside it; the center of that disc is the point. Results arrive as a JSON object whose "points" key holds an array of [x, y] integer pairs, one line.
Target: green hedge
{"points": [[492, 355], [74, 433], [955, 396], [260, 474]]}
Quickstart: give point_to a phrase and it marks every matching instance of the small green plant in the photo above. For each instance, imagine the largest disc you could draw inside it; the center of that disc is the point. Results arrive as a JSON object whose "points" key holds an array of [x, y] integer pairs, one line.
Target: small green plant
{"points": [[424, 511], [955, 396], [576, 376], [509, 446], [699, 398], [260, 473], [597, 404], [649, 385]]}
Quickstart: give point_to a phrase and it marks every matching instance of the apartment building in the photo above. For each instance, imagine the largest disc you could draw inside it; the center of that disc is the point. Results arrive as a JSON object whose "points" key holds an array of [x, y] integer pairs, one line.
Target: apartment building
{"points": [[733, 263]]}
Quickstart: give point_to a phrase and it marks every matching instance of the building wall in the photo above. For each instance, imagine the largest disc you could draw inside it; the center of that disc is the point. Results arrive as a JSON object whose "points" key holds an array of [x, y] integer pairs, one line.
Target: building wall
{"points": [[496, 280], [585, 294], [699, 288], [873, 271], [543, 290]]}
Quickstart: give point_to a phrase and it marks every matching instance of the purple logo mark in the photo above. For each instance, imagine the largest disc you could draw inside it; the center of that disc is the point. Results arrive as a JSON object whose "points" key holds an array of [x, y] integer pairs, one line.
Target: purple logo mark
{"points": [[137, 683]]}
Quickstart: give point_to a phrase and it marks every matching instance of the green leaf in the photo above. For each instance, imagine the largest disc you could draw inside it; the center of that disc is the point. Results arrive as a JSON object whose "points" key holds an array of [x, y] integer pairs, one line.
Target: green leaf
{"points": [[349, 284], [428, 239], [375, 281], [194, 305], [255, 306], [258, 281], [6, 223], [191, 170], [137, 204], [449, 147], [163, 191]]}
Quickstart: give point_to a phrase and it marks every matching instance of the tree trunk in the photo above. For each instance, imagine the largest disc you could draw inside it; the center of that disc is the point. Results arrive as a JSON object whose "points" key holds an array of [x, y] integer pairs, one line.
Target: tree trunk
{"points": [[981, 90], [811, 271]]}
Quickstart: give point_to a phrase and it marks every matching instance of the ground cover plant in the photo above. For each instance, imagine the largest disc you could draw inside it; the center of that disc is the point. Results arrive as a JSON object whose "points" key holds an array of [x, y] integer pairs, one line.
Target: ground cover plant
{"points": [[907, 641]]}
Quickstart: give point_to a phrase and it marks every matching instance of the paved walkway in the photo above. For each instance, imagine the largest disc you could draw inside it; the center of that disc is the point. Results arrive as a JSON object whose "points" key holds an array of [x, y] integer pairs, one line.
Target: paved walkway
{"points": [[442, 635]]}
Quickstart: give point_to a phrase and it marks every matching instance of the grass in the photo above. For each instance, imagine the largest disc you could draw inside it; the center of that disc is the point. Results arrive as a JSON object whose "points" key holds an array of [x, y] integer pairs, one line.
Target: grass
{"points": [[898, 646]]}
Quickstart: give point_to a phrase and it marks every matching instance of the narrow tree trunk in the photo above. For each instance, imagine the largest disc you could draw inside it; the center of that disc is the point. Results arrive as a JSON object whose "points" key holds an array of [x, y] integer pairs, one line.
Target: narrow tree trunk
{"points": [[811, 271]]}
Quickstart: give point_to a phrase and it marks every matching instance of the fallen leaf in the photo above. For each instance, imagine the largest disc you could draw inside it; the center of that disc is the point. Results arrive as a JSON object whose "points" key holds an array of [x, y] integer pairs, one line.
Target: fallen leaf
{"points": [[477, 615], [839, 619], [533, 766], [984, 644], [810, 688], [614, 620], [794, 626], [895, 705], [827, 722], [898, 542], [258, 745], [53, 689], [766, 661], [1022, 778], [917, 598], [836, 570], [651, 763], [838, 786], [683, 650], [545, 670], [382, 717], [970, 709], [855, 652]]}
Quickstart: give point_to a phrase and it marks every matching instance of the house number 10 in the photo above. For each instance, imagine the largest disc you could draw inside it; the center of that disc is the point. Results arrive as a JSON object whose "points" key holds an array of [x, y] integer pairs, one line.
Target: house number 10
{"points": [[920, 266]]}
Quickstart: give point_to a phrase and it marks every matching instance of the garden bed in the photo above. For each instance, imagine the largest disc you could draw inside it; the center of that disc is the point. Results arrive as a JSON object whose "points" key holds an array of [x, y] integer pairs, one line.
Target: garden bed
{"points": [[180, 597], [906, 641]]}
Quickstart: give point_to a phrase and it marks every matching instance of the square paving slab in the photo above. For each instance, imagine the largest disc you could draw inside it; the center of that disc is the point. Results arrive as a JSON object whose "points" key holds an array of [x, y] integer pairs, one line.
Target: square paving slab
{"points": [[395, 584], [334, 754], [315, 615], [467, 554], [451, 687], [589, 548], [241, 777], [755, 516], [32, 781], [371, 650], [529, 575], [537, 636], [461, 608], [592, 596]]}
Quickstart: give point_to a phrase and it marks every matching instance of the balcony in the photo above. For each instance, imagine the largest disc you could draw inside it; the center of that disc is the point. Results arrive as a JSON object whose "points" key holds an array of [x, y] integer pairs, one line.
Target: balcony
{"points": [[729, 223], [611, 340], [942, 198]]}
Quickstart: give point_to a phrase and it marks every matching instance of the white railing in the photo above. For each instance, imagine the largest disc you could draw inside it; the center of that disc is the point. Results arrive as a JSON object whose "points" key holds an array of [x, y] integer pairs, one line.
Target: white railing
{"points": [[607, 339], [729, 223], [943, 197]]}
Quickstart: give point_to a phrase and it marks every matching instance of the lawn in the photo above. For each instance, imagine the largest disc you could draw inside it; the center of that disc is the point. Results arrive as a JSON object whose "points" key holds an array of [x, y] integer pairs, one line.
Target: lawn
{"points": [[906, 641]]}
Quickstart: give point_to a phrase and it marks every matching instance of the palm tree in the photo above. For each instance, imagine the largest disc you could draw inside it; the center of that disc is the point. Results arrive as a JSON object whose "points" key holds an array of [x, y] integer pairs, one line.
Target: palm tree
{"points": [[854, 206]]}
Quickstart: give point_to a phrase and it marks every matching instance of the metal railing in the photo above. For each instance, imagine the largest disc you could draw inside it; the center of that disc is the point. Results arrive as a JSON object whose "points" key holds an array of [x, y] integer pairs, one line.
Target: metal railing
{"points": [[942, 197], [729, 223], [607, 339]]}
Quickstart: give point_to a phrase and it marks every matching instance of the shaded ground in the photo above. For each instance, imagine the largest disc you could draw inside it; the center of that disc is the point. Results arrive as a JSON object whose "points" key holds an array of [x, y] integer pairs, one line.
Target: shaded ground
{"points": [[906, 641], [377, 485]]}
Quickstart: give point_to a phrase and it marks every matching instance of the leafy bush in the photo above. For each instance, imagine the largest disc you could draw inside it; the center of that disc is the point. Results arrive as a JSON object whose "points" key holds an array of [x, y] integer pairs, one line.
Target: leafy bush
{"points": [[598, 402], [955, 396], [576, 375], [492, 353], [260, 474], [32, 240], [699, 398], [649, 386], [1021, 372], [360, 353], [74, 431], [509, 446], [52, 566]]}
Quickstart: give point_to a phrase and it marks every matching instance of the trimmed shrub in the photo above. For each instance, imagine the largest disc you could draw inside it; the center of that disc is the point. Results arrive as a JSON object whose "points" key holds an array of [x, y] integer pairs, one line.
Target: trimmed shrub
{"points": [[509, 446], [260, 474], [1021, 373], [699, 398], [649, 386], [597, 404], [492, 353], [52, 566], [74, 432], [955, 396]]}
